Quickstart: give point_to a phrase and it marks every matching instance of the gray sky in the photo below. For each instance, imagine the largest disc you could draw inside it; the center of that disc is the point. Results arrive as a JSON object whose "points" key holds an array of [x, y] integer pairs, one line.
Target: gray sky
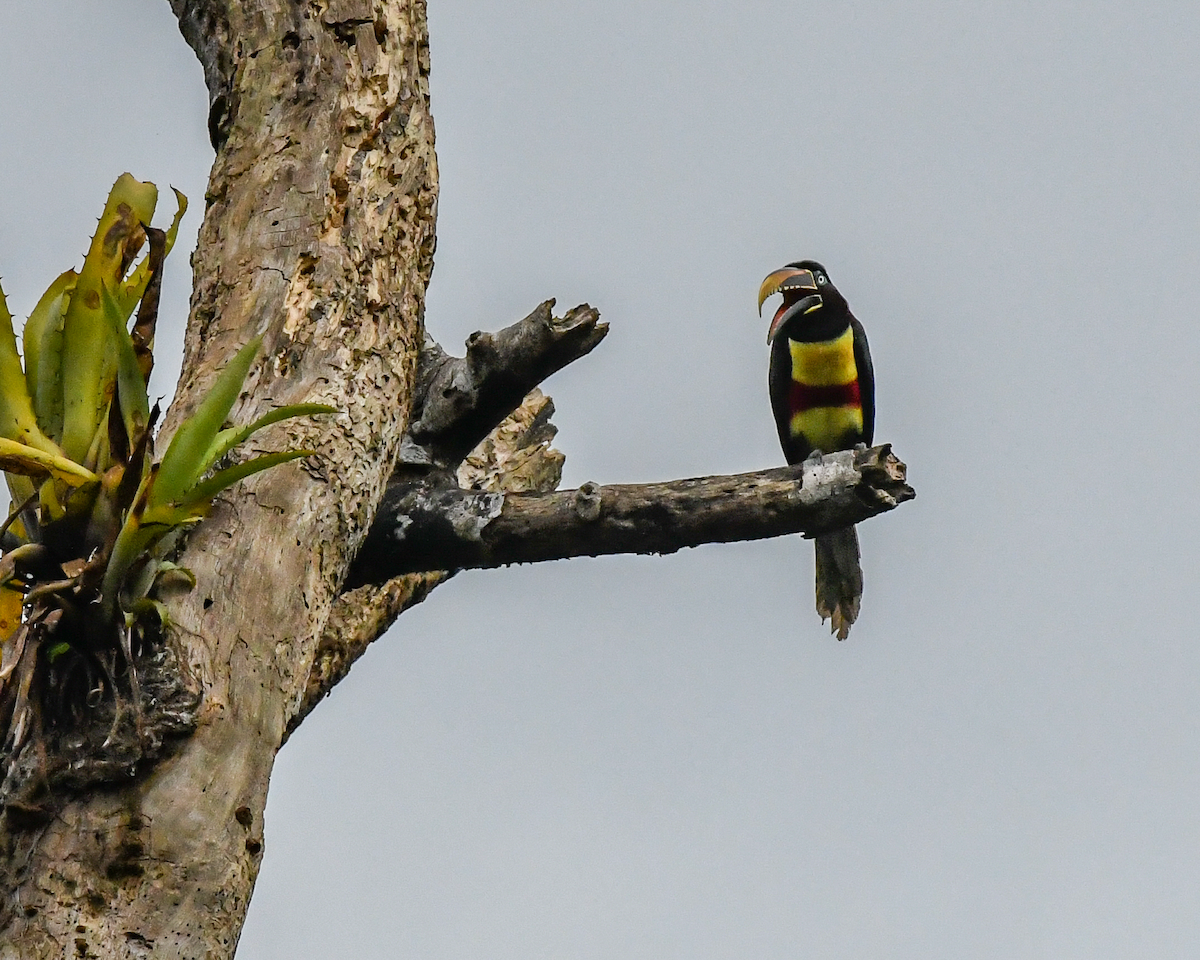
{"points": [[661, 758]]}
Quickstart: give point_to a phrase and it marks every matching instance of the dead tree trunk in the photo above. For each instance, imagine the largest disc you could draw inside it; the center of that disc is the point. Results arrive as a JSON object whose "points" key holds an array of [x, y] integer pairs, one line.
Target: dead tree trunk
{"points": [[319, 235]]}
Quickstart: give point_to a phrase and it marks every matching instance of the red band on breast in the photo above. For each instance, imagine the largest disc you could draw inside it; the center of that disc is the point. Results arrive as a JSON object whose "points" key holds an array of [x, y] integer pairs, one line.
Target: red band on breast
{"points": [[804, 396]]}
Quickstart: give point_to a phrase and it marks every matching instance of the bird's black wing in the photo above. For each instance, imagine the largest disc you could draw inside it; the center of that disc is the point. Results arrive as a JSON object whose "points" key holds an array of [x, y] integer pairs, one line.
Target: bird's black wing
{"points": [[795, 449], [866, 380]]}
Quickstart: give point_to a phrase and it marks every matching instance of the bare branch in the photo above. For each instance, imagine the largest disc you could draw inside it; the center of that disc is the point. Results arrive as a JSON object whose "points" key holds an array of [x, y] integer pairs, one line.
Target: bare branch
{"points": [[428, 527]]}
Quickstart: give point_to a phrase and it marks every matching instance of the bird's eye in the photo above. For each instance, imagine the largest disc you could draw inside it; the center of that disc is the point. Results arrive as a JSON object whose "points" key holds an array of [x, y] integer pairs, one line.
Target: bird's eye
{"points": [[821, 279]]}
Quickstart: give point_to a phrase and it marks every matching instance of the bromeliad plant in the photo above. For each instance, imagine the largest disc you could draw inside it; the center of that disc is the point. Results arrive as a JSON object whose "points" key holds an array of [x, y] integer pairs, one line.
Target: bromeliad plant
{"points": [[94, 515]]}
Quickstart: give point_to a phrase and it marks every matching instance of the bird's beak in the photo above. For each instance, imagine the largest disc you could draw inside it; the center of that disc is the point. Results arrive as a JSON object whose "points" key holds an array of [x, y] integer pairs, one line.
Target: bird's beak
{"points": [[788, 278], [810, 303]]}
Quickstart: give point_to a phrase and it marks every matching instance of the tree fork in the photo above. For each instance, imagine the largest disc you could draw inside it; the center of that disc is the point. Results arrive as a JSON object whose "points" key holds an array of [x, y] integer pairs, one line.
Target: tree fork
{"points": [[461, 403], [498, 506]]}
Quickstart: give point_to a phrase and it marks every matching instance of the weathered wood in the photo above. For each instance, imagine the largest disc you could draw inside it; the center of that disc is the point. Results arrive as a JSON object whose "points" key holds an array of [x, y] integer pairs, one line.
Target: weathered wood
{"points": [[358, 619], [515, 456], [459, 400], [426, 527]]}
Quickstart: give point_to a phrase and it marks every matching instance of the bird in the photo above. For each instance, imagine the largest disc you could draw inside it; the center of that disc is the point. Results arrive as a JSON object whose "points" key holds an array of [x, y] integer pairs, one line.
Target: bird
{"points": [[822, 387]]}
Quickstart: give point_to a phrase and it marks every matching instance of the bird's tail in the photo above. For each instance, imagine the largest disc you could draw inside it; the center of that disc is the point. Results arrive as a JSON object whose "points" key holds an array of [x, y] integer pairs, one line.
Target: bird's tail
{"points": [[839, 580]]}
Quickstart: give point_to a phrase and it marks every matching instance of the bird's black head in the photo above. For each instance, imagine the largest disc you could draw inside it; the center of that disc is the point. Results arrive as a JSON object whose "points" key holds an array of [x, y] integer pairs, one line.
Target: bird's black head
{"points": [[805, 286]]}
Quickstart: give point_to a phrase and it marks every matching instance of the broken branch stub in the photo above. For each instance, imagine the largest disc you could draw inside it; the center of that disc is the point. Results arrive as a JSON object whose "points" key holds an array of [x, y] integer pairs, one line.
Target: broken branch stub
{"points": [[459, 400]]}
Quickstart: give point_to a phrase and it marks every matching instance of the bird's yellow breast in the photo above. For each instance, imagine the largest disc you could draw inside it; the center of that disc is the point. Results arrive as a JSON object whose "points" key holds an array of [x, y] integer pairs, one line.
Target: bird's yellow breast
{"points": [[825, 363]]}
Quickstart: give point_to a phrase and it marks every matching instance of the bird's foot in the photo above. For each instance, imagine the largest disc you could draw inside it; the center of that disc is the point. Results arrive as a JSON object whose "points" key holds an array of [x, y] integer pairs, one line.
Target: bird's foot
{"points": [[814, 458]]}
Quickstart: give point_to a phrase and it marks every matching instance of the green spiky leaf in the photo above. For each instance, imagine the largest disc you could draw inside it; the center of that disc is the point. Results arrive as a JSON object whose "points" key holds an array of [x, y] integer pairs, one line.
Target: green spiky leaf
{"points": [[194, 504], [205, 491], [228, 439], [43, 342], [88, 351], [184, 462], [27, 461], [17, 421]]}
